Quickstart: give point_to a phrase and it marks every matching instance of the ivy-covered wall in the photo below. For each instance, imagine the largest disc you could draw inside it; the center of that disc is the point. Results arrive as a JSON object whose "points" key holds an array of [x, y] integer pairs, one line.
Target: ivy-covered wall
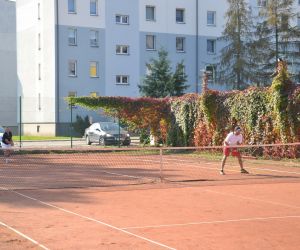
{"points": [[266, 115]]}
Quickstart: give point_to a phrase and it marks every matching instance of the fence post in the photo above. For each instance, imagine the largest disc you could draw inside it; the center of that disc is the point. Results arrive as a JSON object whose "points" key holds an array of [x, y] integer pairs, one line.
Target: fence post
{"points": [[119, 131], [20, 121], [161, 165], [71, 125]]}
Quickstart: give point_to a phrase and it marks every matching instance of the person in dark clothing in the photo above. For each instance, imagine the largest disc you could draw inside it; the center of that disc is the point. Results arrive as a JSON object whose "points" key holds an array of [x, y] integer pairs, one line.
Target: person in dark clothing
{"points": [[7, 143]]}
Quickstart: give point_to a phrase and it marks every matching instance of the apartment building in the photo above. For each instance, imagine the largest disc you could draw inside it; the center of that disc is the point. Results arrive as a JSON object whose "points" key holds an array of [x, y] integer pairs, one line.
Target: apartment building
{"points": [[101, 47], [8, 64]]}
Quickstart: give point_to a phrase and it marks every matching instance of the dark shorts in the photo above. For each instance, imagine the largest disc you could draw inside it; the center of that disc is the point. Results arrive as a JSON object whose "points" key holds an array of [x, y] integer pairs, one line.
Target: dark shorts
{"points": [[233, 151]]}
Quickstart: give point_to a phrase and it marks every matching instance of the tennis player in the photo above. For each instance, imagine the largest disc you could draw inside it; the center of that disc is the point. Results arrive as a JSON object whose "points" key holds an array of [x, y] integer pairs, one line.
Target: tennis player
{"points": [[7, 143], [234, 138]]}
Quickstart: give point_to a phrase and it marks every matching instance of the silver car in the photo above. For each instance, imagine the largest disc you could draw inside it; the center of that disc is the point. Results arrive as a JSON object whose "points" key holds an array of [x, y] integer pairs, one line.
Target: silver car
{"points": [[106, 133], [2, 130]]}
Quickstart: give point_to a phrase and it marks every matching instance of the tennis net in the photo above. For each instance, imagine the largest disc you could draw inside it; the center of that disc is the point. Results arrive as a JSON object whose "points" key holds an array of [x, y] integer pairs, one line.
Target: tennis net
{"points": [[107, 167]]}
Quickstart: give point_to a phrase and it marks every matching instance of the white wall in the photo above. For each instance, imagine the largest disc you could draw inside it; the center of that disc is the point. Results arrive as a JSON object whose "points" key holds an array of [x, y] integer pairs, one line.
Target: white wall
{"points": [[29, 56], [117, 34], [166, 17], [8, 64], [47, 57], [165, 13], [82, 17], [220, 6]]}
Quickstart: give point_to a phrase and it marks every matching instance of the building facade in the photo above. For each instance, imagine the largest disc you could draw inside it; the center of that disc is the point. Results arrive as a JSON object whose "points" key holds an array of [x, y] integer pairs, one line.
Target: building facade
{"points": [[101, 47], [8, 65]]}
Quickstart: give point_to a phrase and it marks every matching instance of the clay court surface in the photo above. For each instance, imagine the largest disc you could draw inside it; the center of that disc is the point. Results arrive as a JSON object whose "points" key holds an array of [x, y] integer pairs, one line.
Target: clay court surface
{"points": [[122, 201]]}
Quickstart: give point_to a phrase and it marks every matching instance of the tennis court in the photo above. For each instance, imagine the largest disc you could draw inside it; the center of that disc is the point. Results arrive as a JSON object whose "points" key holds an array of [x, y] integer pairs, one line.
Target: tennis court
{"points": [[147, 199]]}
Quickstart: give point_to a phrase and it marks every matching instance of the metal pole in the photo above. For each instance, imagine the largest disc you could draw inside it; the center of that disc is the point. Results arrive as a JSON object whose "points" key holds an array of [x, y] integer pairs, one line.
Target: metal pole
{"points": [[197, 47], [161, 165], [71, 128], [275, 11], [276, 41], [119, 132], [20, 122]]}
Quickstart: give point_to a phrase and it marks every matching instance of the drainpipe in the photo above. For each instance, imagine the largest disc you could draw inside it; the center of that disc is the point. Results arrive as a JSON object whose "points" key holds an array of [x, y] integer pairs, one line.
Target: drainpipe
{"points": [[57, 66]]}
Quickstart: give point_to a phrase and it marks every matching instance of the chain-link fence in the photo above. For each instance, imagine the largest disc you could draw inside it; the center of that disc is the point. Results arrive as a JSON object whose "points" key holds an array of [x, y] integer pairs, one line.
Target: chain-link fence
{"points": [[45, 122]]}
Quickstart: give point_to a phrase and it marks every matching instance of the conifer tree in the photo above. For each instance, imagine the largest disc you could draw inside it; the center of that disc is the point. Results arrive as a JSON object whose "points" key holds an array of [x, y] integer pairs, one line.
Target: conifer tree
{"points": [[278, 36], [237, 64], [161, 81]]}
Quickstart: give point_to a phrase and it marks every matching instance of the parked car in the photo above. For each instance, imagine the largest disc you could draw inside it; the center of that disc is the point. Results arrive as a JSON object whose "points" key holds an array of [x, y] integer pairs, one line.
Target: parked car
{"points": [[1, 134], [106, 133]]}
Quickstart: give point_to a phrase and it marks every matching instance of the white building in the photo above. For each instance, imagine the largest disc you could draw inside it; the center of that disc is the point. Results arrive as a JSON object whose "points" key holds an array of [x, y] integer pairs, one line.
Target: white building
{"points": [[101, 47], [8, 65]]}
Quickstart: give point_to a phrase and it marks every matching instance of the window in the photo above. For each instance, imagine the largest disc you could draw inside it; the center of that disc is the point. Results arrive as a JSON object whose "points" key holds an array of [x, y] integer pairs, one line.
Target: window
{"points": [[94, 94], [122, 19], [179, 15], [93, 7], [39, 11], [94, 38], [284, 22], [122, 49], [211, 46], [284, 48], [72, 37], [150, 13], [73, 68], [148, 70], [40, 73], [180, 44], [262, 3], [93, 69], [71, 6], [298, 18], [150, 42], [211, 18], [182, 69], [121, 79], [39, 41], [211, 71], [72, 94]]}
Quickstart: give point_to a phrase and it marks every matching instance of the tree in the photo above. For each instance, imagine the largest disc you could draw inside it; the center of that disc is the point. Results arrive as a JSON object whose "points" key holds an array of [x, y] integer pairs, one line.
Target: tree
{"points": [[178, 86], [236, 61], [161, 82], [279, 35], [81, 124]]}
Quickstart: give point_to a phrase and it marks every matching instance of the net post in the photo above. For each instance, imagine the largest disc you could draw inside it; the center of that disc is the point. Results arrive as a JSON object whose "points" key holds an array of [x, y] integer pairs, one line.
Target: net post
{"points": [[161, 165]]}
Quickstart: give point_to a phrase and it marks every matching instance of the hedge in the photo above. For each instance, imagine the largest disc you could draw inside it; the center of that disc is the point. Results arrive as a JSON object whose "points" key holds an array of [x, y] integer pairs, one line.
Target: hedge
{"points": [[266, 115]]}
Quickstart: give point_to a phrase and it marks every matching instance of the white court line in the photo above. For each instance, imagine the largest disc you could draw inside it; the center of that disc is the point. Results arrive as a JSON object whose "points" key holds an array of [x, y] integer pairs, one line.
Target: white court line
{"points": [[94, 220], [201, 167], [253, 199], [228, 170], [130, 176], [272, 170], [265, 169], [23, 235], [214, 222]]}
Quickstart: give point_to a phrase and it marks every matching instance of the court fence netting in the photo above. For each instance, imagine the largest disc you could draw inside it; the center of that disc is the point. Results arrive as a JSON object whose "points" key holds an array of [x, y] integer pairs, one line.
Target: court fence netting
{"points": [[110, 167]]}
